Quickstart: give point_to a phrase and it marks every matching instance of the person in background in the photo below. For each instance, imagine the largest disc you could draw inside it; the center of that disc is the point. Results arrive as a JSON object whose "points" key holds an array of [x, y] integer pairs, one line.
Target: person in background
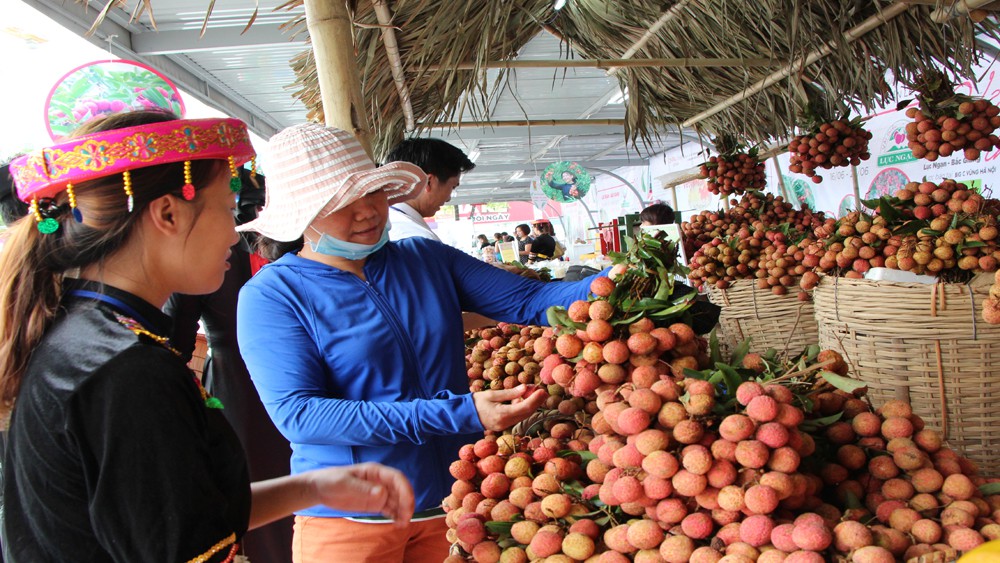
{"points": [[371, 364], [489, 255], [444, 164], [657, 214], [567, 187], [115, 451], [504, 237], [524, 241], [544, 245], [483, 242], [225, 375]]}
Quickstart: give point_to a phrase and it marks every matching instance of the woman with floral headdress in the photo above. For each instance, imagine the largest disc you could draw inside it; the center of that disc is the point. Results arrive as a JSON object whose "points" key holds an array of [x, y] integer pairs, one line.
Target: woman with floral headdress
{"points": [[115, 452], [371, 365]]}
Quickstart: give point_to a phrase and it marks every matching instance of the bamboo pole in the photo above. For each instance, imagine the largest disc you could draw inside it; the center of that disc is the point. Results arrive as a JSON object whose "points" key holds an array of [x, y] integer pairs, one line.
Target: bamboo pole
{"points": [[673, 199], [609, 64], [857, 189], [336, 68], [959, 8], [524, 123], [849, 37], [395, 64], [695, 172], [651, 32], [781, 180]]}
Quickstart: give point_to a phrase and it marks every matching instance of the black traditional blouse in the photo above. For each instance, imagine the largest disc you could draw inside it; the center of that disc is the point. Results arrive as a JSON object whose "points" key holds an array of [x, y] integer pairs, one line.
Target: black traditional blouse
{"points": [[114, 453], [544, 246]]}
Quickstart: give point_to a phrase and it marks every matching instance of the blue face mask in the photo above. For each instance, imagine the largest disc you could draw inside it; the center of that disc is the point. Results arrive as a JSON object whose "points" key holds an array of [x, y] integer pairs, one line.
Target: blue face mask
{"points": [[344, 249]]}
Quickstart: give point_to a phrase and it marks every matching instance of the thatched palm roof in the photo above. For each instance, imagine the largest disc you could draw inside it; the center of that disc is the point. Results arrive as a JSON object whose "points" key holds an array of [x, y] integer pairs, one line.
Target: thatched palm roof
{"points": [[904, 40]]}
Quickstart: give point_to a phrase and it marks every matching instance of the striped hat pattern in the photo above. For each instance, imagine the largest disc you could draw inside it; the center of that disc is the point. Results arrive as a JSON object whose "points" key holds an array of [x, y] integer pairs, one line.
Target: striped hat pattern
{"points": [[315, 170]]}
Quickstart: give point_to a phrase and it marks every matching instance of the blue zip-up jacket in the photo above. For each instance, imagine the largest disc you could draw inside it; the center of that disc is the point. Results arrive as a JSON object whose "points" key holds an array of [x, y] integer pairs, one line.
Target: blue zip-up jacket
{"points": [[353, 371]]}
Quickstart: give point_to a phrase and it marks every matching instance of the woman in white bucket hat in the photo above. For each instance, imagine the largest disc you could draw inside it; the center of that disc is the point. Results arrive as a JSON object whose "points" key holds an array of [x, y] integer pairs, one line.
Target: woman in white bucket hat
{"points": [[356, 345]]}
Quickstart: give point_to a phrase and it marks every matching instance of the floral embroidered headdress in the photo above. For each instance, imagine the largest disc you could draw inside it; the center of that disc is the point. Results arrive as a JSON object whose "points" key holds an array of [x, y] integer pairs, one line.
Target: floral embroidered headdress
{"points": [[43, 174]]}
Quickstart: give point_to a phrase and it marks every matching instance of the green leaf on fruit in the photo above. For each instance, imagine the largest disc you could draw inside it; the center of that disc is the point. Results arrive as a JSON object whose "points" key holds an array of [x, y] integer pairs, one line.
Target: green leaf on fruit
{"points": [[887, 208], [902, 104], [970, 244], [574, 488], [811, 352], [731, 379], [870, 203], [713, 347], [717, 377], [813, 424], [911, 227], [628, 320], [739, 353], [585, 455], [990, 489], [500, 528], [558, 316], [695, 374], [677, 309], [845, 384]]}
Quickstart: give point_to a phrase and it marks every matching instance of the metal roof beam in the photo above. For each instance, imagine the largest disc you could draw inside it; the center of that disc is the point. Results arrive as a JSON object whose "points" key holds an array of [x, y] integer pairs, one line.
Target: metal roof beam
{"points": [[77, 18], [469, 133], [515, 166], [216, 39]]}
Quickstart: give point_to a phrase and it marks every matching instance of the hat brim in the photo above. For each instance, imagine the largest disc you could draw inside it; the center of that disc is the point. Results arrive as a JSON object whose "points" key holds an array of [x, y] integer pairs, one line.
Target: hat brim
{"points": [[400, 180]]}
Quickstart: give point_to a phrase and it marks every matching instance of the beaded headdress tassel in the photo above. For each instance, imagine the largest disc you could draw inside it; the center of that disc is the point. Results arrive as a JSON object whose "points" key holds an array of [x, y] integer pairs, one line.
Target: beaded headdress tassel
{"points": [[77, 215], [188, 190]]}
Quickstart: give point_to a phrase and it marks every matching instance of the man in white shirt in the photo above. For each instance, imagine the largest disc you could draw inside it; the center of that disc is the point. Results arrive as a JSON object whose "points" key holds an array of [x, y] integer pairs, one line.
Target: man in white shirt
{"points": [[444, 164]]}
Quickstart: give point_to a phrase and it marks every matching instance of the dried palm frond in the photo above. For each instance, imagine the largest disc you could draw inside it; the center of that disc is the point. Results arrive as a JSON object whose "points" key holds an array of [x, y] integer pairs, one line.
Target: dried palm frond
{"points": [[429, 32]]}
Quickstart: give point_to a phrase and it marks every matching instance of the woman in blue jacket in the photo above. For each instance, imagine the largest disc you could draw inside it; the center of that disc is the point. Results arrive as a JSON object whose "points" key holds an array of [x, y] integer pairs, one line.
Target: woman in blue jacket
{"points": [[356, 346]]}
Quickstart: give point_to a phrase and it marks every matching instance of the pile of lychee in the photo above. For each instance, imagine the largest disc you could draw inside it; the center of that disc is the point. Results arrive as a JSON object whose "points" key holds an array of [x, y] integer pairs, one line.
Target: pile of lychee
{"points": [[675, 466], [767, 256], [734, 173], [755, 211], [935, 229], [967, 127], [838, 143]]}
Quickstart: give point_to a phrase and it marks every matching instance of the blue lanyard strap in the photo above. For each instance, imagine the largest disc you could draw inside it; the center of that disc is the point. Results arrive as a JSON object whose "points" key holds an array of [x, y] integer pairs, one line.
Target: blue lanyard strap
{"points": [[124, 307]]}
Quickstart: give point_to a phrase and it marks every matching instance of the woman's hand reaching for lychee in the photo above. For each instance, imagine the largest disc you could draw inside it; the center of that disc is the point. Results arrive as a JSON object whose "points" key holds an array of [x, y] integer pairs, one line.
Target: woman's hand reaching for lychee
{"points": [[496, 412]]}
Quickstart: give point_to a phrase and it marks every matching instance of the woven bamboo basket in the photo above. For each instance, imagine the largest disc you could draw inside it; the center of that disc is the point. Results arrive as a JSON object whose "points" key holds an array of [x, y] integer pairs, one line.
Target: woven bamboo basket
{"points": [[925, 344], [774, 321]]}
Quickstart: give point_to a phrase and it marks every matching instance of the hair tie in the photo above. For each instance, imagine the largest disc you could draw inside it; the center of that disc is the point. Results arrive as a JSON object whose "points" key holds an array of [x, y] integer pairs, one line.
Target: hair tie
{"points": [[45, 211]]}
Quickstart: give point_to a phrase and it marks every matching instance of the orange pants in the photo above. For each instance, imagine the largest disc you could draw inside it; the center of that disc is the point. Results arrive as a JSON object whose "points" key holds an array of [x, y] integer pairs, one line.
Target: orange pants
{"points": [[337, 540]]}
